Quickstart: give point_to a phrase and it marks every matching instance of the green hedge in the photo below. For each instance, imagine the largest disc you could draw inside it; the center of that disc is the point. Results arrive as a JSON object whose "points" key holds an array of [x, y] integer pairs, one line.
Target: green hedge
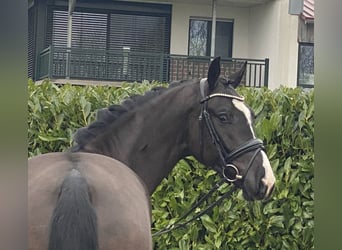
{"points": [[284, 121]]}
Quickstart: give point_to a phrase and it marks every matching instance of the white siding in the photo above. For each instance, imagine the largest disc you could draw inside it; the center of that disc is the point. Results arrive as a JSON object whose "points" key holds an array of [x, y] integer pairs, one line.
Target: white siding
{"points": [[273, 34]]}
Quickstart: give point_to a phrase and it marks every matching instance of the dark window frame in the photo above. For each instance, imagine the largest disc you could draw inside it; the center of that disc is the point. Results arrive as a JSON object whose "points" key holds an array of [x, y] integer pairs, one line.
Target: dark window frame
{"points": [[209, 20], [299, 66]]}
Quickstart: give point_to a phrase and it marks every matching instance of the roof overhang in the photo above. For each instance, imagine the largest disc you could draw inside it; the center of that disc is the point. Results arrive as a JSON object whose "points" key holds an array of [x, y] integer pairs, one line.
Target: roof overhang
{"points": [[308, 13]]}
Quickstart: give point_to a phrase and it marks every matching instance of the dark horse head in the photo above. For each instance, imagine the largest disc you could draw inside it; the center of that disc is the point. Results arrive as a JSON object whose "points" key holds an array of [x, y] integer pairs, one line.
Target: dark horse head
{"points": [[225, 139]]}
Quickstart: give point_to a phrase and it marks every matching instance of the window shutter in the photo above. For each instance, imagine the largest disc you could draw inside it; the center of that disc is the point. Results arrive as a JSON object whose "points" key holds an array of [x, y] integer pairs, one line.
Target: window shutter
{"points": [[59, 28], [89, 30], [140, 33], [128, 45]]}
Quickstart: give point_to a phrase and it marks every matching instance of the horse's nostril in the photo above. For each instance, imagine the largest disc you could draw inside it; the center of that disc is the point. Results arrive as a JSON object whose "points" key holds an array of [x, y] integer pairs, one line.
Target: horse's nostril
{"points": [[271, 191], [262, 189], [265, 191], [268, 192]]}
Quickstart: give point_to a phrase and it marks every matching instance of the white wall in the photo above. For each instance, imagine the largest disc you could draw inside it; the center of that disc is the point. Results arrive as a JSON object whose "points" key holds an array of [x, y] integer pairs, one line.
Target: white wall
{"points": [[273, 34]]}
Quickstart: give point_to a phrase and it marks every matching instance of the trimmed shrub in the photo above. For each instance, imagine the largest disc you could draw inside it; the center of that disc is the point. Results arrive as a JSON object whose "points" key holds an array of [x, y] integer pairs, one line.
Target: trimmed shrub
{"points": [[284, 121], [55, 113]]}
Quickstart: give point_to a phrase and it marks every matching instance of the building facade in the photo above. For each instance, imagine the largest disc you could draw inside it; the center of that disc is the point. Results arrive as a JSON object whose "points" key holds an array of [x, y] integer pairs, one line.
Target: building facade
{"points": [[110, 40]]}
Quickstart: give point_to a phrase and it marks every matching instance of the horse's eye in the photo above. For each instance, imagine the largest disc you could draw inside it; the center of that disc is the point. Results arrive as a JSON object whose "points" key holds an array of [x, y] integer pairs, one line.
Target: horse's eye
{"points": [[225, 118]]}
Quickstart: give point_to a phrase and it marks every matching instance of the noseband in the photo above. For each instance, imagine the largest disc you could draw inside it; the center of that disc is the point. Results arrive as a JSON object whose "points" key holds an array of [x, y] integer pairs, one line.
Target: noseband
{"points": [[229, 171]]}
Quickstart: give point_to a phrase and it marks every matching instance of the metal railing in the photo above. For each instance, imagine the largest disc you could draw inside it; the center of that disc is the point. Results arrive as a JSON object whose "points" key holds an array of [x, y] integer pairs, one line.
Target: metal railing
{"points": [[127, 65]]}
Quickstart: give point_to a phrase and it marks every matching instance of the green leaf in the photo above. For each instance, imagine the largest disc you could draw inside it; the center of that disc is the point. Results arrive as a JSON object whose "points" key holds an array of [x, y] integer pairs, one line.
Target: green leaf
{"points": [[218, 242], [208, 223], [259, 108], [287, 168], [59, 120], [266, 130], [87, 108], [51, 138], [183, 244], [277, 221], [275, 120], [271, 150], [302, 118]]}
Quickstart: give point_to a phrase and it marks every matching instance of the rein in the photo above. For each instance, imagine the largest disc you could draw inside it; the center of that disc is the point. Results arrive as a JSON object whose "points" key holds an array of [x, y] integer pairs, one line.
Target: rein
{"points": [[178, 223], [229, 171]]}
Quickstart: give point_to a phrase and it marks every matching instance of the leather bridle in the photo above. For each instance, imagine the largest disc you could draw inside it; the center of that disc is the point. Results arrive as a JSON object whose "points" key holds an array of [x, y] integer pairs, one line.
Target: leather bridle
{"points": [[228, 170]]}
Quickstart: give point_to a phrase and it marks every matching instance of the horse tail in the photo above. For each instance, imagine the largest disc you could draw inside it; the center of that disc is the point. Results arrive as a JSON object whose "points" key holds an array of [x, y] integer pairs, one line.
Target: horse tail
{"points": [[74, 221]]}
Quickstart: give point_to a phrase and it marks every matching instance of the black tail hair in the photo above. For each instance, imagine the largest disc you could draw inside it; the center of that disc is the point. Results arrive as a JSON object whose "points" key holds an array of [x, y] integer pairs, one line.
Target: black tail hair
{"points": [[73, 222]]}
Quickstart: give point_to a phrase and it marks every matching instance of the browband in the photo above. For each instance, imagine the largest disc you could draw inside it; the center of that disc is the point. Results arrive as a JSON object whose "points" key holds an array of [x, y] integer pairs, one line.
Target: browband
{"points": [[206, 98]]}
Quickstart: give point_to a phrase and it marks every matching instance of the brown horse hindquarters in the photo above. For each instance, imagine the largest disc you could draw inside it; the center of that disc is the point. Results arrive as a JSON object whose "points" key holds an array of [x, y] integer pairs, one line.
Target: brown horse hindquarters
{"points": [[117, 194]]}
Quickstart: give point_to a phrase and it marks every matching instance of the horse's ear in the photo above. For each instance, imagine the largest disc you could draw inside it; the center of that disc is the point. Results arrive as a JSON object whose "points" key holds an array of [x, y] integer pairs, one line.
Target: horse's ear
{"points": [[235, 79], [214, 73]]}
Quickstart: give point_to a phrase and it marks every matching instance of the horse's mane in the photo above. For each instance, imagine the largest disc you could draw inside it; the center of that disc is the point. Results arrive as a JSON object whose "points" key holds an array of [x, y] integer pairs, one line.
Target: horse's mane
{"points": [[107, 116]]}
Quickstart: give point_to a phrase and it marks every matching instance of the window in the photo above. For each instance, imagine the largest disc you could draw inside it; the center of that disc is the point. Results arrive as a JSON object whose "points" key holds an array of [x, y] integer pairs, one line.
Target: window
{"points": [[120, 46], [200, 38], [306, 65]]}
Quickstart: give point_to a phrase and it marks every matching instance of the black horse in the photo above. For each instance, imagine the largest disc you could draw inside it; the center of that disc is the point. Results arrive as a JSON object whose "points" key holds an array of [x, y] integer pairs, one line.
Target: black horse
{"points": [[96, 196]]}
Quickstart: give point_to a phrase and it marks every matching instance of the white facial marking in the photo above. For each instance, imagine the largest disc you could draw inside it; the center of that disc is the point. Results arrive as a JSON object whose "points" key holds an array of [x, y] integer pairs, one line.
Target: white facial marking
{"points": [[243, 108], [269, 178]]}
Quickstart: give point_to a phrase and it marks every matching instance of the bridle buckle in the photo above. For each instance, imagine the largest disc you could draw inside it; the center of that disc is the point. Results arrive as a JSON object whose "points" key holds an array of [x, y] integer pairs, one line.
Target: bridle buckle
{"points": [[231, 177]]}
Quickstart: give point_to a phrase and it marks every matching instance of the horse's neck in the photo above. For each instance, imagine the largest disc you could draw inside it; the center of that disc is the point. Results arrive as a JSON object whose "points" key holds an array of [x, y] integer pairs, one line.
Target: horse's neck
{"points": [[153, 138]]}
